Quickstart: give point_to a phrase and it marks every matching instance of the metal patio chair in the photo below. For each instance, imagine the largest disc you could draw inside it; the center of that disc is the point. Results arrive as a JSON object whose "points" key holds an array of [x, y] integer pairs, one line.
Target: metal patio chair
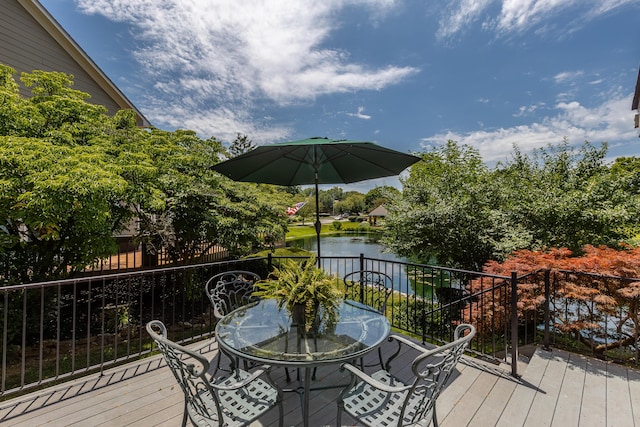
{"points": [[234, 401], [381, 399], [227, 291], [372, 288], [369, 287], [230, 290]]}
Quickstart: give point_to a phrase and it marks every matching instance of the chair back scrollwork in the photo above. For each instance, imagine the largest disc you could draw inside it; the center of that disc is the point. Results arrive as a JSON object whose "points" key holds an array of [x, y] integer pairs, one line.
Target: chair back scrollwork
{"points": [[230, 290], [372, 288]]}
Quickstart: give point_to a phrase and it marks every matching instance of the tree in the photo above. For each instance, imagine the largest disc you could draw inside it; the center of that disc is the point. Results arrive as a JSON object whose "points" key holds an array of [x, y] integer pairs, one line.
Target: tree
{"points": [[200, 208], [447, 210], [455, 209], [63, 171], [595, 296], [242, 144], [380, 196], [352, 202], [72, 177], [565, 197]]}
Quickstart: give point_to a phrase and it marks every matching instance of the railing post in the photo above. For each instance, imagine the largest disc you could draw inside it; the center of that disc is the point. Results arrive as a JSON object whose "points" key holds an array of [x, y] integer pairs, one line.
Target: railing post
{"points": [[547, 294], [514, 323], [361, 285], [269, 262]]}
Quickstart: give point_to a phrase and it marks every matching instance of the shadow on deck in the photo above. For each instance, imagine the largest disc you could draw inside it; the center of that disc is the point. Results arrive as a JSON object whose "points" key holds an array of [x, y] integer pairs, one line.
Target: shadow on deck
{"points": [[556, 389]]}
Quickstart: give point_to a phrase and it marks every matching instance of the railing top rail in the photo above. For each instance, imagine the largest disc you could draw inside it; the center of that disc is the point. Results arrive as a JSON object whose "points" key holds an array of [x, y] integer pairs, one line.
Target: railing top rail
{"points": [[582, 273], [110, 276], [137, 273]]}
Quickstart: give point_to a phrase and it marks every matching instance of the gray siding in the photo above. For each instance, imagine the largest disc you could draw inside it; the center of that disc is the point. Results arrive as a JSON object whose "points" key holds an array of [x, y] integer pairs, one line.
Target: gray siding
{"points": [[25, 45]]}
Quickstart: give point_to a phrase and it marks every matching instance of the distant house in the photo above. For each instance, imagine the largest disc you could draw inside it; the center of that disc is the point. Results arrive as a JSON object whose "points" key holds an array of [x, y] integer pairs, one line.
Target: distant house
{"points": [[31, 39], [379, 212], [634, 103]]}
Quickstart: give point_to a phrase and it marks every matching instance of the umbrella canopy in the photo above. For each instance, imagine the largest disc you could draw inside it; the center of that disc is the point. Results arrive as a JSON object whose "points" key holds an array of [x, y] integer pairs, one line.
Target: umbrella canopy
{"points": [[315, 161]]}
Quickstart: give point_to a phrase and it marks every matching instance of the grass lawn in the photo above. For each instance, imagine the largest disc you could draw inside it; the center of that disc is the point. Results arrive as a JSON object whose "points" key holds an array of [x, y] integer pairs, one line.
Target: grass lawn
{"points": [[297, 231]]}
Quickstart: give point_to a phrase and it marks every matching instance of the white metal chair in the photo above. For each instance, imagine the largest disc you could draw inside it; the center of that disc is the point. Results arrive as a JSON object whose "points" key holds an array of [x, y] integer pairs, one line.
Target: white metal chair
{"points": [[369, 287], [230, 290], [237, 400], [381, 399], [227, 291]]}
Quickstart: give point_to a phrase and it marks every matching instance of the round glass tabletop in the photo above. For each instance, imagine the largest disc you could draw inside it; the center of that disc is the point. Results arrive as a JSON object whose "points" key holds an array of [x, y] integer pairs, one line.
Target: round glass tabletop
{"points": [[263, 332]]}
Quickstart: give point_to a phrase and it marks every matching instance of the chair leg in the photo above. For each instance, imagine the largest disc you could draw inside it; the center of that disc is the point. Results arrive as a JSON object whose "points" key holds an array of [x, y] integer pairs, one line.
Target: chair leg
{"points": [[184, 415], [380, 358], [435, 417], [215, 370]]}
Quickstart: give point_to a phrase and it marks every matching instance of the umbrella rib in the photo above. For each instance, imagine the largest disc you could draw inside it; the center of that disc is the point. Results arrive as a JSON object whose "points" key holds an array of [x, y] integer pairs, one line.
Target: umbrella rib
{"points": [[343, 153]]}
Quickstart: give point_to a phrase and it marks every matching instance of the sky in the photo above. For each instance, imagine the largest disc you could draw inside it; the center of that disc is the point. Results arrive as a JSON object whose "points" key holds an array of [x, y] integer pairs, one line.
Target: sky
{"points": [[405, 74]]}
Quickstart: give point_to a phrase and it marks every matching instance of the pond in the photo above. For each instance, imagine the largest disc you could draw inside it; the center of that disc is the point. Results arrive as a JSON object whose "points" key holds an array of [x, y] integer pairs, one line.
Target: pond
{"points": [[352, 245], [346, 245]]}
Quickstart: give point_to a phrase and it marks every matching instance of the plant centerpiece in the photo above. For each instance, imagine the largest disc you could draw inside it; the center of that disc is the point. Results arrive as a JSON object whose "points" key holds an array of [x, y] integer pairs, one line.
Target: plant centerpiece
{"points": [[311, 295]]}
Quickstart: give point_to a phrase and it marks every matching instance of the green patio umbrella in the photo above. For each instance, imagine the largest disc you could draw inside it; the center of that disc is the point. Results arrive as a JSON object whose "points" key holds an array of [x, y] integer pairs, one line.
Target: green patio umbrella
{"points": [[315, 161]]}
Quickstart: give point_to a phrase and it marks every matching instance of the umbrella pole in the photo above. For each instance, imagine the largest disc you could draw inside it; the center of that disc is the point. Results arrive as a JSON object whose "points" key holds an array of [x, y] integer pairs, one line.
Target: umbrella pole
{"points": [[318, 224]]}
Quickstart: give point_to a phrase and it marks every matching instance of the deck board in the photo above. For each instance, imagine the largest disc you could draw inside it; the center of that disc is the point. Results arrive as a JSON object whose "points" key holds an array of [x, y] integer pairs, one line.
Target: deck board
{"points": [[570, 396], [516, 412], [544, 400], [556, 388], [634, 392], [593, 411], [618, 396]]}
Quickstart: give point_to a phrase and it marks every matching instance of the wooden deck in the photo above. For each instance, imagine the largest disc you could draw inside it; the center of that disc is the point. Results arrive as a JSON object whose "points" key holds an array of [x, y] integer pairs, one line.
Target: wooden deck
{"points": [[556, 389]]}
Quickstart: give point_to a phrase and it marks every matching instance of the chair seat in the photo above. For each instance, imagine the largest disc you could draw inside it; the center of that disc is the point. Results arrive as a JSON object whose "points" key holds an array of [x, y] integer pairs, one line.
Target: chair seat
{"points": [[374, 407], [239, 407]]}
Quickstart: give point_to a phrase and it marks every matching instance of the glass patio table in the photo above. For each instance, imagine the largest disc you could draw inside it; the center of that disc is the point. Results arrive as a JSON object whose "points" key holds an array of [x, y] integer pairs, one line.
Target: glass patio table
{"points": [[263, 333]]}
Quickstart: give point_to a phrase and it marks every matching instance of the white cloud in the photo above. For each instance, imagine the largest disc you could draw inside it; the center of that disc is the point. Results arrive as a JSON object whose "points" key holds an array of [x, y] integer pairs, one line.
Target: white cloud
{"points": [[466, 12], [567, 76], [611, 122], [526, 110], [224, 59], [519, 16], [360, 114]]}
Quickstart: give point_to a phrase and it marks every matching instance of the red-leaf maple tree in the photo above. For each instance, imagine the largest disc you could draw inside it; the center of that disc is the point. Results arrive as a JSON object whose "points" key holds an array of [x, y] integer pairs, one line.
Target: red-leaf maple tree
{"points": [[594, 296]]}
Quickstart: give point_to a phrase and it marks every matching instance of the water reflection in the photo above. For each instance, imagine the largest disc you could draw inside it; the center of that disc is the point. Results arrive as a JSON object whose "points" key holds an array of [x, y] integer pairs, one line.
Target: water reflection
{"points": [[352, 245]]}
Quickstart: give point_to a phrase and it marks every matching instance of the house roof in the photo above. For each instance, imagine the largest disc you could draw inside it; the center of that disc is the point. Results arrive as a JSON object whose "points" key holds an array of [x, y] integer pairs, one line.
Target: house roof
{"points": [[56, 32], [379, 211]]}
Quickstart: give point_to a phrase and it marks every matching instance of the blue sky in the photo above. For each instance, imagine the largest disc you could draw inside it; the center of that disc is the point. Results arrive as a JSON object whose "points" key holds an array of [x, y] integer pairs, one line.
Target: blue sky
{"points": [[405, 74]]}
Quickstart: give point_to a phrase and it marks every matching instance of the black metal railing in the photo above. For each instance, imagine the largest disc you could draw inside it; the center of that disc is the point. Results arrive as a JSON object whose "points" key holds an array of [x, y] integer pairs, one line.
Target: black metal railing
{"points": [[53, 331]]}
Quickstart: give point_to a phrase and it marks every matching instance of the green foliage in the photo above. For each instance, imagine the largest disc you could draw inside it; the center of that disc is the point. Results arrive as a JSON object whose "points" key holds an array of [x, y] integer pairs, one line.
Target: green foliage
{"points": [[448, 210], [72, 177], [565, 198], [409, 312], [242, 144], [353, 202], [63, 186], [456, 210], [364, 226], [337, 225], [301, 282], [380, 196]]}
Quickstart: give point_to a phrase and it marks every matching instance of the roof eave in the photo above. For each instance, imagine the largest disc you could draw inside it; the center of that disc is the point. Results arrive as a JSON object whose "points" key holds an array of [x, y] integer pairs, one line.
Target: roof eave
{"points": [[49, 23]]}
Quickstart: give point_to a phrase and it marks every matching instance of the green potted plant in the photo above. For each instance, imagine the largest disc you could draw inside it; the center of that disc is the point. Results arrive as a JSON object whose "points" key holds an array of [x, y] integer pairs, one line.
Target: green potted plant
{"points": [[311, 295]]}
